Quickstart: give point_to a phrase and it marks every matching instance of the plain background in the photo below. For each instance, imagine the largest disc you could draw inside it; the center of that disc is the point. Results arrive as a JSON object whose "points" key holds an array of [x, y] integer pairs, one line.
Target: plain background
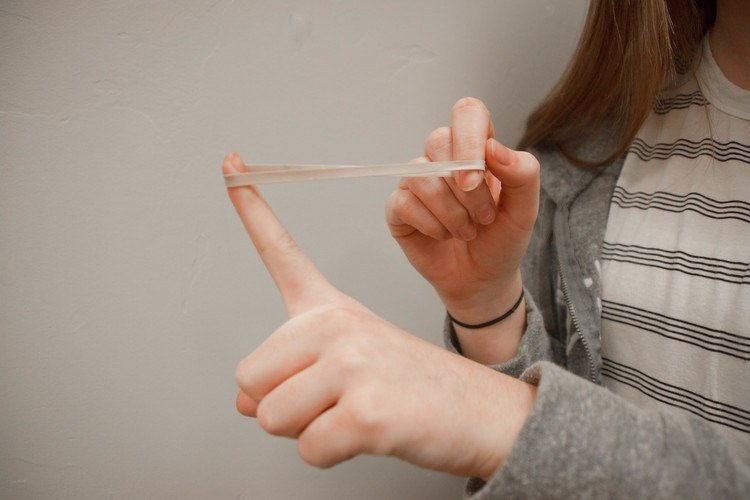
{"points": [[128, 288]]}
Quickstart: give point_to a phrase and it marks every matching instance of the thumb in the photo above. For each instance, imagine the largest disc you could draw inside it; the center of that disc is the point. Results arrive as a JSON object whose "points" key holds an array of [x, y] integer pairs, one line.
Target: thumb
{"points": [[518, 173], [301, 284]]}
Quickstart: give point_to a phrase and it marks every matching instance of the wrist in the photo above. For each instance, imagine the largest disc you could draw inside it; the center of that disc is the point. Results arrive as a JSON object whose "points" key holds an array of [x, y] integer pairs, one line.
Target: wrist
{"points": [[514, 401], [492, 322], [487, 305]]}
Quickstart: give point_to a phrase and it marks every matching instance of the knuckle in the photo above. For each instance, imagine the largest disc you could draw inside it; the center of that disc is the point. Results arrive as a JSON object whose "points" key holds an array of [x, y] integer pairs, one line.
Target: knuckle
{"points": [[438, 140], [530, 161], [306, 450], [350, 358], [332, 322], [433, 188], [239, 374], [238, 405], [316, 322], [457, 218], [391, 205], [309, 449], [392, 211], [436, 231], [404, 202], [339, 316], [366, 413], [242, 374], [472, 143], [268, 418], [443, 234], [246, 381], [466, 103]]}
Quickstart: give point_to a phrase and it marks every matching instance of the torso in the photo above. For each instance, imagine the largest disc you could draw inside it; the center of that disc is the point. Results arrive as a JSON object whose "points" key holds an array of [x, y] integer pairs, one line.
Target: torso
{"points": [[676, 259]]}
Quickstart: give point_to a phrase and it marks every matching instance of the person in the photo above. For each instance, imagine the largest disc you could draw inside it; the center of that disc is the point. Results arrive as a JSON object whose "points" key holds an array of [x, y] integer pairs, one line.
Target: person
{"points": [[597, 312]]}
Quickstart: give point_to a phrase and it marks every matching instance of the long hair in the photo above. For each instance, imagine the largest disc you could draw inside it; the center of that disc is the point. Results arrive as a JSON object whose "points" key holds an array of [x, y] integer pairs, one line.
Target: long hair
{"points": [[628, 53]]}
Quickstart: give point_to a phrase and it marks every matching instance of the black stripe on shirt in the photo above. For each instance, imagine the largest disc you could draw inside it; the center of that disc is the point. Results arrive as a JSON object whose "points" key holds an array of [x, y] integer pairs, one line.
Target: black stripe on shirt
{"points": [[676, 260], [691, 149], [719, 151], [703, 337], [693, 202], [672, 395], [680, 101], [684, 145]]}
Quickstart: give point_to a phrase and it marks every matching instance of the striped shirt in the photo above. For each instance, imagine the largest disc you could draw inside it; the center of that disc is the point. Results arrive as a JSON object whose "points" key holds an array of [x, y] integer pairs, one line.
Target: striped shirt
{"points": [[676, 259]]}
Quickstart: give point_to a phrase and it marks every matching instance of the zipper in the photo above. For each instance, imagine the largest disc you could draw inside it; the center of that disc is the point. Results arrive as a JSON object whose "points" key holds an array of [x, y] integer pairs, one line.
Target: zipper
{"points": [[576, 325]]}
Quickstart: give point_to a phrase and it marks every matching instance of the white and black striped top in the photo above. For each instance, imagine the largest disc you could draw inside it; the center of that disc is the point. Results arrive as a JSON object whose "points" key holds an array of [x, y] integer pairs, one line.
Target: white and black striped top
{"points": [[676, 258]]}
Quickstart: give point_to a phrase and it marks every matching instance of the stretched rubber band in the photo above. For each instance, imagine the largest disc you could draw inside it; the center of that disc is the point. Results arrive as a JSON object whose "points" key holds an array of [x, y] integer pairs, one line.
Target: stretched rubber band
{"points": [[273, 173]]}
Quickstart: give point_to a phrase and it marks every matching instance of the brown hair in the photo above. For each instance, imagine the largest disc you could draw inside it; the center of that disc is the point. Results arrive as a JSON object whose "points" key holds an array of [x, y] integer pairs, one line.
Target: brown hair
{"points": [[628, 52]]}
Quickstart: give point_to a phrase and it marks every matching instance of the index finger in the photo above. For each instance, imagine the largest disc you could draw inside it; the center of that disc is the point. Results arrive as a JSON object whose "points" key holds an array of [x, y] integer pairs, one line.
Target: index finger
{"points": [[301, 284], [471, 127]]}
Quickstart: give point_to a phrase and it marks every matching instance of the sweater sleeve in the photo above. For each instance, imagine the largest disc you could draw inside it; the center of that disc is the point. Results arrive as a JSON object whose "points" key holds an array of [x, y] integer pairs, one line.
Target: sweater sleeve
{"points": [[582, 441]]}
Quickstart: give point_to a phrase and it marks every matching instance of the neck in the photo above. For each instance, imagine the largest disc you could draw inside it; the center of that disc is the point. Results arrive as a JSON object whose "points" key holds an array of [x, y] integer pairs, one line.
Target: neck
{"points": [[730, 41]]}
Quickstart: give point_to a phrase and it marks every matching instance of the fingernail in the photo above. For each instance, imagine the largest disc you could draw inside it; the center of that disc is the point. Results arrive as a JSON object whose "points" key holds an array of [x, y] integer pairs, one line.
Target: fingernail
{"points": [[471, 180], [486, 214], [468, 232]]}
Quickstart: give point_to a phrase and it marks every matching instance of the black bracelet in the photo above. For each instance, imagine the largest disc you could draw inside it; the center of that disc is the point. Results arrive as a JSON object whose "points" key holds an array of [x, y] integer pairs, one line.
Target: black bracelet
{"points": [[490, 322]]}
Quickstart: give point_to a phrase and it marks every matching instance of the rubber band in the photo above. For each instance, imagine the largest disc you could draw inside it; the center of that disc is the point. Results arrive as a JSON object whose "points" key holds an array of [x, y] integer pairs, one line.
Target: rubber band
{"points": [[274, 173], [490, 322]]}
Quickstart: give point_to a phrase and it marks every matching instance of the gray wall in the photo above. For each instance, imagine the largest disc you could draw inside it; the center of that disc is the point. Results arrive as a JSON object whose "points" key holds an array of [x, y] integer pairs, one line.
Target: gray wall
{"points": [[128, 289]]}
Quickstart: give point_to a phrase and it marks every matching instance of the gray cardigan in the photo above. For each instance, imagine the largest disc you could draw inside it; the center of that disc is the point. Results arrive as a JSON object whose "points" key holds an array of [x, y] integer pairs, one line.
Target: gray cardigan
{"points": [[580, 440]]}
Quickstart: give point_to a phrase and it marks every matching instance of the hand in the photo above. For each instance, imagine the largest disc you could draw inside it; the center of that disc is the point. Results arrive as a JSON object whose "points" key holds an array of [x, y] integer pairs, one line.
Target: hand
{"points": [[467, 234], [343, 381]]}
